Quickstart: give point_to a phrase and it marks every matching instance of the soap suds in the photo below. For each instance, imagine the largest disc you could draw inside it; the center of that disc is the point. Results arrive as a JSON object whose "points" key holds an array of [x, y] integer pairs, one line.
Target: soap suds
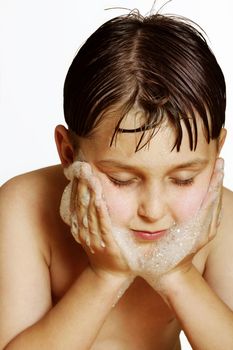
{"points": [[74, 171], [150, 259]]}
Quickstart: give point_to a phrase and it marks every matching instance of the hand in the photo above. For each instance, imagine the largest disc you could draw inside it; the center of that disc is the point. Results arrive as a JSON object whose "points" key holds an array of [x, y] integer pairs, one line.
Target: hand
{"points": [[187, 239], [84, 209], [175, 250]]}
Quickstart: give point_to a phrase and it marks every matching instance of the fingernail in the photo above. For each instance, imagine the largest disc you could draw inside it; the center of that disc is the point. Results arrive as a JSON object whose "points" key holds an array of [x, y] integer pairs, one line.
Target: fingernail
{"points": [[77, 240], [74, 224], [88, 241], [103, 245], [85, 221], [75, 235], [74, 232]]}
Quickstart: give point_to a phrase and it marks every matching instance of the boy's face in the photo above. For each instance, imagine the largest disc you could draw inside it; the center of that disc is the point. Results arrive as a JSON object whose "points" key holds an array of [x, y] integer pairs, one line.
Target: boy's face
{"points": [[151, 189]]}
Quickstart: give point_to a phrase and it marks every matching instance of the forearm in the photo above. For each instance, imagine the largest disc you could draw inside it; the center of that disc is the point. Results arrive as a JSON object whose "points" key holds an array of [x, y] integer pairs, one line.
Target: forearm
{"points": [[205, 319], [76, 320]]}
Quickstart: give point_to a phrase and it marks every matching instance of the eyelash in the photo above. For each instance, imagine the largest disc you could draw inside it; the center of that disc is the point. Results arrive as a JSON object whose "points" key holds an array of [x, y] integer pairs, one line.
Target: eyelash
{"points": [[187, 182], [119, 183], [177, 182]]}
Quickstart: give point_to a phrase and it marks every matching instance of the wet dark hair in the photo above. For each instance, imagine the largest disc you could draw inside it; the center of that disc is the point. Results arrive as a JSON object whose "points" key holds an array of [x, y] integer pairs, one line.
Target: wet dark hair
{"points": [[160, 63]]}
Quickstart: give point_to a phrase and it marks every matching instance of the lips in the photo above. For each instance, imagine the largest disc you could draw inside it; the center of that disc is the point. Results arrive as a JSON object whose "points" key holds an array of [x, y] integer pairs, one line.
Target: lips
{"points": [[148, 235]]}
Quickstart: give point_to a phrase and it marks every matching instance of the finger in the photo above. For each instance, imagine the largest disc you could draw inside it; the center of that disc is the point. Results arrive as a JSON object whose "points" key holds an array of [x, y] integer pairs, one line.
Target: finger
{"points": [[74, 228], [215, 185], [100, 215], [208, 211], [216, 213], [90, 230], [207, 215], [219, 215], [73, 195], [213, 207], [94, 228], [82, 202], [73, 216], [104, 222], [98, 228]]}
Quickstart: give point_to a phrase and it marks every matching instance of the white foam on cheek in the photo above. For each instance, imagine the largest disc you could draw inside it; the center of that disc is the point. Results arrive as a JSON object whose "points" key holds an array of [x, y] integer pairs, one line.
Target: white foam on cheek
{"points": [[152, 259]]}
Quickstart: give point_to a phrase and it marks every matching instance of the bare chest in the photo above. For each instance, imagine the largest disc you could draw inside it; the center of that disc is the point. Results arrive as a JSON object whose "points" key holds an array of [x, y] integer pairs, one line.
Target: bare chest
{"points": [[140, 320]]}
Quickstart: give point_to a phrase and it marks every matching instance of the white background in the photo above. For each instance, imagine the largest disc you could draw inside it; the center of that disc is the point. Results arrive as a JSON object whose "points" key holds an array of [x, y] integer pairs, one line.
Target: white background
{"points": [[38, 40]]}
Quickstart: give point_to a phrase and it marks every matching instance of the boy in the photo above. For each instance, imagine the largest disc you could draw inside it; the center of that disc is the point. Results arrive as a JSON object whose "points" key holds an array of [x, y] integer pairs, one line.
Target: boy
{"points": [[144, 100]]}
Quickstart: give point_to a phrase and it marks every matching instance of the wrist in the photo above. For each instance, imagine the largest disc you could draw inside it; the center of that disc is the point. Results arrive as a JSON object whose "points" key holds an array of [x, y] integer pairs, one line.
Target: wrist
{"points": [[116, 282], [108, 275], [171, 283]]}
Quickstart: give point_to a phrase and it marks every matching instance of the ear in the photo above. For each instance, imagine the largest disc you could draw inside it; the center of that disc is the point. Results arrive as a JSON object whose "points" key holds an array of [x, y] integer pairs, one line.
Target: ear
{"points": [[221, 139], [64, 144]]}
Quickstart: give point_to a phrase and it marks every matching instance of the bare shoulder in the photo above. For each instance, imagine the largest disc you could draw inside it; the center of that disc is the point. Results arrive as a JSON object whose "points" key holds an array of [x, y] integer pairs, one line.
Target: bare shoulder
{"points": [[27, 206], [219, 267], [33, 196], [35, 184]]}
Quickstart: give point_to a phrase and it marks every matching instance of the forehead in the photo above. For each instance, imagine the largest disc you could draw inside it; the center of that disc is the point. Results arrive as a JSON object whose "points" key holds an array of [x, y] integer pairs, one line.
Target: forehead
{"points": [[160, 146]]}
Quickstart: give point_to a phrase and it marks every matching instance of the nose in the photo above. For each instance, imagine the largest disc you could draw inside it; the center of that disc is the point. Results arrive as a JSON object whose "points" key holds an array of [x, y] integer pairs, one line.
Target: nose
{"points": [[152, 205]]}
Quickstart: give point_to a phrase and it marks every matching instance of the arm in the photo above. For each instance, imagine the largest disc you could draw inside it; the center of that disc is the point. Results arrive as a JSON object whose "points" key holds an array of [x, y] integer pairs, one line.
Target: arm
{"points": [[205, 319], [27, 318], [76, 320]]}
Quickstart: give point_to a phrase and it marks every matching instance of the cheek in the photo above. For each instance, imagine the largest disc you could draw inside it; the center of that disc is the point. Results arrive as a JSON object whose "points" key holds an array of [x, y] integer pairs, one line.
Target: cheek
{"points": [[187, 203], [119, 202]]}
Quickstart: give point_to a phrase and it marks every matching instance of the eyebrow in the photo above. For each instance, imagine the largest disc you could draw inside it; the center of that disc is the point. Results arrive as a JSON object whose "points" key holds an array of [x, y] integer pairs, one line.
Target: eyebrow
{"points": [[198, 162]]}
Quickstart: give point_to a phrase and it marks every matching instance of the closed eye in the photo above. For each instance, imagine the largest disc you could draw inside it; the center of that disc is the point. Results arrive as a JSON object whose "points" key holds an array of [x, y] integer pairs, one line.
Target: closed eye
{"points": [[120, 183], [186, 182], [177, 182]]}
